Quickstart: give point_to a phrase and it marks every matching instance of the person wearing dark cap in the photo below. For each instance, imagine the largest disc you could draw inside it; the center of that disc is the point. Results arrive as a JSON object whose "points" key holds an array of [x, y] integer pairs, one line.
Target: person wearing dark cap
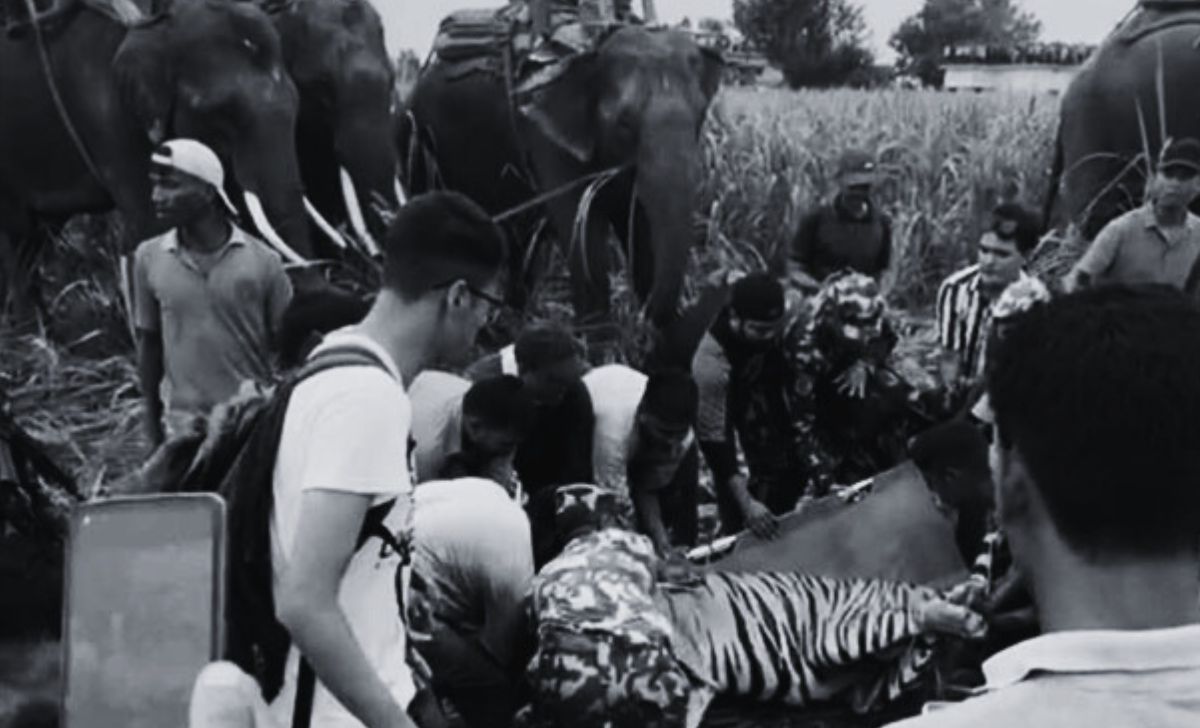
{"points": [[965, 298], [749, 395], [1158, 242], [849, 232]]}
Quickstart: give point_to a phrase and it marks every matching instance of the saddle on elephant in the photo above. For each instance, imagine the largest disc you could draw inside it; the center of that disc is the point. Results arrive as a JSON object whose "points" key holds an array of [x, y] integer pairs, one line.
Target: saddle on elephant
{"points": [[1153, 16], [16, 21], [525, 38]]}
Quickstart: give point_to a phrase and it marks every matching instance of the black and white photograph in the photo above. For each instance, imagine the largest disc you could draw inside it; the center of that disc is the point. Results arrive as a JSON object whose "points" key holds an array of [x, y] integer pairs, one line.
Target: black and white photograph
{"points": [[599, 364]]}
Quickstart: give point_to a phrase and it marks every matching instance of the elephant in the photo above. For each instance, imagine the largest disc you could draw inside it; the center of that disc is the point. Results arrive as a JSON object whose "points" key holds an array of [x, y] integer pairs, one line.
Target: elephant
{"points": [[206, 69], [1112, 114], [634, 104], [345, 140]]}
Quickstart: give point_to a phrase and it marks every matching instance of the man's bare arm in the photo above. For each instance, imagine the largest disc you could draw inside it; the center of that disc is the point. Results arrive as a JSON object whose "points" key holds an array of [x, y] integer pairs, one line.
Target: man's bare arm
{"points": [[308, 607], [150, 373]]}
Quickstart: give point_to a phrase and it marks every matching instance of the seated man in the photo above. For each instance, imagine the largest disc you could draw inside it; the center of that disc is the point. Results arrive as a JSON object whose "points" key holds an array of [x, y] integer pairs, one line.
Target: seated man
{"points": [[644, 448], [473, 561], [1096, 410], [558, 449], [964, 302]]}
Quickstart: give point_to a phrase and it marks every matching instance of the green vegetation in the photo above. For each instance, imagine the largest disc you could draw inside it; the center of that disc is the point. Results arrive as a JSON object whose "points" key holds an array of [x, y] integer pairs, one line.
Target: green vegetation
{"points": [[769, 155]]}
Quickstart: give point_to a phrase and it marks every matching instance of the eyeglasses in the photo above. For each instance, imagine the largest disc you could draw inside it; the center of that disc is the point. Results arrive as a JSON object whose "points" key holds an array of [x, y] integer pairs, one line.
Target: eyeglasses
{"points": [[495, 305]]}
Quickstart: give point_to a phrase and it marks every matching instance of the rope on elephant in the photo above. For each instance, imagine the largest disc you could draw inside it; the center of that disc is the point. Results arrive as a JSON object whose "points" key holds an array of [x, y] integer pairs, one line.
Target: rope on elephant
{"points": [[48, 72], [563, 189]]}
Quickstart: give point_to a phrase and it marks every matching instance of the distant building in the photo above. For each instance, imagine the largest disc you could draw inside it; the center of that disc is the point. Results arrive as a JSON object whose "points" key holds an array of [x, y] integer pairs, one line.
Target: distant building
{"points": [[1014, 78], [1042, 68]]}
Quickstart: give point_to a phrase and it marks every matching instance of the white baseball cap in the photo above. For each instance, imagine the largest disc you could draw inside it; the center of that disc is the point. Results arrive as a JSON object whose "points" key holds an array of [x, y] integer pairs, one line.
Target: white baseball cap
{"points": [[197, 159]]}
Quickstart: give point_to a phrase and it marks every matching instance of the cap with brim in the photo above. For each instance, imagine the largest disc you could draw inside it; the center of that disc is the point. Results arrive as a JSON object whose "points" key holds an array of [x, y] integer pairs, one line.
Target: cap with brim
{"points": [[857, 168], [196, 159], [1181, 154]]}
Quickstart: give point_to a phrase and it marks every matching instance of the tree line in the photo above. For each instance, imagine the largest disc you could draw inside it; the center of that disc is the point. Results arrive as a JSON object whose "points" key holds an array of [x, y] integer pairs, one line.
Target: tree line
{"points": [[824, 43]]}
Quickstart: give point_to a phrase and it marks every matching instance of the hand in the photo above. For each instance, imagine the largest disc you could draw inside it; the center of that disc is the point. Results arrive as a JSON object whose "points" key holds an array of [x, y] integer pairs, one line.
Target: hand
{"points": [[853, 381], [972, 593], [675, 568], [760, 521], [940, 616]]}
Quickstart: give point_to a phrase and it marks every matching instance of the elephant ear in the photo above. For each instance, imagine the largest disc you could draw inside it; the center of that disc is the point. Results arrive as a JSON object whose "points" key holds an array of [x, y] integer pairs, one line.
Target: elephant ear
{"points": [[144, 72], [712, 67], [562, 110]]}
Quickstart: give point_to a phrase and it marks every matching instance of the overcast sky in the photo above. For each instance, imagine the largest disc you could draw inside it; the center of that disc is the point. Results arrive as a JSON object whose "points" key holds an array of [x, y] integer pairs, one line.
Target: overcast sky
{"points": [[412, 23]]}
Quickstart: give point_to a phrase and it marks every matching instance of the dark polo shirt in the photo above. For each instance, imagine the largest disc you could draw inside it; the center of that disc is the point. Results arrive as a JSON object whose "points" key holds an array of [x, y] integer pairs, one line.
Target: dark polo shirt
{"points": [[218, 314], [830, 239]]}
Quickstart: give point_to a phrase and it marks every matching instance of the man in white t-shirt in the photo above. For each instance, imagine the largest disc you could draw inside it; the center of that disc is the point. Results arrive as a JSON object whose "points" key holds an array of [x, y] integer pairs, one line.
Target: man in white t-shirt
{"points": [[344, 449], [643, 448]]}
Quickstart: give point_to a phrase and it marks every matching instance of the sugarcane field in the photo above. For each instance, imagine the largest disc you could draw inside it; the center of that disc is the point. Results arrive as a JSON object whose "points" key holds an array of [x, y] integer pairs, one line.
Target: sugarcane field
{"points": [[599, 363]]}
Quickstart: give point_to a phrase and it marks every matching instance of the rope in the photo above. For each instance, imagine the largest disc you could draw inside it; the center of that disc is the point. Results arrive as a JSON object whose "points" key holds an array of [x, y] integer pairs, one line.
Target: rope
{"points": [[558, 191], [48, 73]]}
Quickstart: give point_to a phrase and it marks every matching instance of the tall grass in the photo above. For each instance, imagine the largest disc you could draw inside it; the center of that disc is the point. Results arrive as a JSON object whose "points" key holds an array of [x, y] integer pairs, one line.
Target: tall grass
{"points": [[768, 155], [946, 160]]}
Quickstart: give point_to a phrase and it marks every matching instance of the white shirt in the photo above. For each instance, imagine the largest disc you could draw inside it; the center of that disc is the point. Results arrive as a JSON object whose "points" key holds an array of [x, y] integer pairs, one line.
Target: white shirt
{"points": [[1086, 679], [436, 420], [347, 430], [616, 392], [473, 550]]}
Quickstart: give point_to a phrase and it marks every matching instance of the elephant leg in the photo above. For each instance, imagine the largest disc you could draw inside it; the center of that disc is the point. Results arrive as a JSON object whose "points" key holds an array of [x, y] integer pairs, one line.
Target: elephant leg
{"points": [[20, 248]]}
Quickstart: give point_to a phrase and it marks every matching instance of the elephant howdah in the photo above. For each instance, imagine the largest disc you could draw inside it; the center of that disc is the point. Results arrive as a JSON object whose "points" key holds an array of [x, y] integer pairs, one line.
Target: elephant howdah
{"points": [[205, 69], [505, 127]]}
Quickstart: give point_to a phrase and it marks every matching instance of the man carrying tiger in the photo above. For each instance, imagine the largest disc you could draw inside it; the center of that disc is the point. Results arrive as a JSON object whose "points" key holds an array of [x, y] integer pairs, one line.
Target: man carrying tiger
{"points": [[624, 639]]}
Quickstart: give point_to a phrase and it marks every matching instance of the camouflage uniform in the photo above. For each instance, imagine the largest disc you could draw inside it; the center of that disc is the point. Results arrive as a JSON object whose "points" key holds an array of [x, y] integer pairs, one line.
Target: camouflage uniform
{"points": [[604, 656]]}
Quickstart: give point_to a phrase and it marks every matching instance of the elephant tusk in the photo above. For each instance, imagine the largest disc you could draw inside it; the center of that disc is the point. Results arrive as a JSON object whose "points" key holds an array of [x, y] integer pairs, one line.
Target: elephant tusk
{"points": [[255, 208], [401, 196], [322, 223], [354, 212]]}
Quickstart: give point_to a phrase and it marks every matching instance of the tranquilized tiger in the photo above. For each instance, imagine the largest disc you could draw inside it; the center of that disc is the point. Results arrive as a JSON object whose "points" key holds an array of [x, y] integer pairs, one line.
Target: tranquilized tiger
{"points": [[804, 640]]}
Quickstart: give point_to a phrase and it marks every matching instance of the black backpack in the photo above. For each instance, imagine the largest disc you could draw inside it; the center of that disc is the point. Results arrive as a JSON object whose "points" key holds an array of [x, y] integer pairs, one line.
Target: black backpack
{"points": [[237, 460]]}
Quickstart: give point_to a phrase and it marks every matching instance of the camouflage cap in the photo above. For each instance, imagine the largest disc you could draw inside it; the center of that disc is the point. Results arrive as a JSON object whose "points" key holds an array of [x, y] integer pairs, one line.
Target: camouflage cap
{"points": [[581, 505], [849, 298]]}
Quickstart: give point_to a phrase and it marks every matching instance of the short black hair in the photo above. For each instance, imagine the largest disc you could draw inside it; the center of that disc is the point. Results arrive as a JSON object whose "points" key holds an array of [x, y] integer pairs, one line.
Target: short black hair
{"points": [[544, 345], [500, 402], [672, 396], [757, 297], [1099, 394], [438, 238], [1013, 221]]}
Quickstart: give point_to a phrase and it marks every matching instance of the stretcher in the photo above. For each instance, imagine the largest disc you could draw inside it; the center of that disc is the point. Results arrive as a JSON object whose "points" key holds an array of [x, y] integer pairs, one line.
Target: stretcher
{"points": [[887, 527]]}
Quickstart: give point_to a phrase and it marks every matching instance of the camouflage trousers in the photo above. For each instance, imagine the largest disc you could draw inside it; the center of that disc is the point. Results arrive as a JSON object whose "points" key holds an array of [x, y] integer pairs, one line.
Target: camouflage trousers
{"points": [[604, 681]]}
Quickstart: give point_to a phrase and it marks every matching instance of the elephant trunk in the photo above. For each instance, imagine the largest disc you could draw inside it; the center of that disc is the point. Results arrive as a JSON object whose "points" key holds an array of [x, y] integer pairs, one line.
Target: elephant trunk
{"points": [[366, 156], [268, 171], [668, 177]]}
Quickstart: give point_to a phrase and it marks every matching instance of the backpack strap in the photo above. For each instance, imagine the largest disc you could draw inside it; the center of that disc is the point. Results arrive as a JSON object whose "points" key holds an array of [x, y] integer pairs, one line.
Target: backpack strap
{"points": [[332, 358], [347, 355]]}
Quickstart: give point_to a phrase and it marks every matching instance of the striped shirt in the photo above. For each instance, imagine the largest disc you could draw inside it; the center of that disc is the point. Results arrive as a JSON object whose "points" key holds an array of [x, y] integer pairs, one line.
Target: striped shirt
{"points": [[963, 318]]}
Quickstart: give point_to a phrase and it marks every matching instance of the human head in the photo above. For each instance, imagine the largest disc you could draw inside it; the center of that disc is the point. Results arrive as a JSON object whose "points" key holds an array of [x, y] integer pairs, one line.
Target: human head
{"points": [[583, 507], [550, 360], [856, 174], [756, 308], [663, 422], [850, 318], [1096, 406], [1006, 245], [1177, 178], [186, 181], [444, 258], [497, 414]]}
